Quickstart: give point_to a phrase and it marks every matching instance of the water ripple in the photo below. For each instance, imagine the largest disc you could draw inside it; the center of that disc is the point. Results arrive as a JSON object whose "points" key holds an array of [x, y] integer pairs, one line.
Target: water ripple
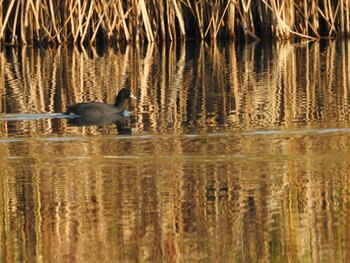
{"points": [[23, 117]]}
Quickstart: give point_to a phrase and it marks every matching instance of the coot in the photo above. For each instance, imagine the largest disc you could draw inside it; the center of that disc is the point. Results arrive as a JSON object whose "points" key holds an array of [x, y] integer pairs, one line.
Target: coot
{"points": [[101, 109]]}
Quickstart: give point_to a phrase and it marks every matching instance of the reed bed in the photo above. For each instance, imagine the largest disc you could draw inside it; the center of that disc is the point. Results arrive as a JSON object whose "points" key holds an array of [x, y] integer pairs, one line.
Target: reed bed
{"points": [[89, 22]]}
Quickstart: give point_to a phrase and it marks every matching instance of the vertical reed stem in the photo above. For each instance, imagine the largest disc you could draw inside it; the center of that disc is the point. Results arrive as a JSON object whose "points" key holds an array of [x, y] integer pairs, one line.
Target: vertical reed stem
{"points": [[79, 21]]}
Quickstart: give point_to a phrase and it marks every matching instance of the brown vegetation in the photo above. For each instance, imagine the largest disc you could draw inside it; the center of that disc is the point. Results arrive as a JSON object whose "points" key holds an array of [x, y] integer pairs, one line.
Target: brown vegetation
{"points": [[85, 22]]}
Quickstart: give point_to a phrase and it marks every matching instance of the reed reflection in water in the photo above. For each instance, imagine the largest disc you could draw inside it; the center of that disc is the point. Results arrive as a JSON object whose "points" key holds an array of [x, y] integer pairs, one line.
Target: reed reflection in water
{"points": [[236, 154], [183, 88]]}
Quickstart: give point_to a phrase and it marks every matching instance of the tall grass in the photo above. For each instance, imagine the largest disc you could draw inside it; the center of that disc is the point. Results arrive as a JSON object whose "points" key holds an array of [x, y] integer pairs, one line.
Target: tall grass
{"points": [[85, 22]]}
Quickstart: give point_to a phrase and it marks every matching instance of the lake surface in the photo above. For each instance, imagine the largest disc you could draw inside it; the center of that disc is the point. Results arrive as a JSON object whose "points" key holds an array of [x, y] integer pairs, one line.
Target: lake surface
{"points": [[231, 154]]}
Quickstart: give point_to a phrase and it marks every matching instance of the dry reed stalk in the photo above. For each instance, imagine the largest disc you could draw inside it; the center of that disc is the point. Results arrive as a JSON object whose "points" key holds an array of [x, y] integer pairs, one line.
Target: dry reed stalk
{"points": [[125, 27], [1, 16], [347, 17], [231, 20], [162, 21], [180, 19], [286, 28], [115, 23], [306, 18], [222, 18], [52, 12], [14, 36], [341, 15], [305, 31], [81, 12], [108, 21], [194, 12], [87, 23], [146, 20], [23, 23], [28, 23], [329, 15], [199, 12], [246, 19], [214, 20], [35, 11], [72, 7], [100, 22], [170, 19], [135, 20], [279, 26], [5, 21]]}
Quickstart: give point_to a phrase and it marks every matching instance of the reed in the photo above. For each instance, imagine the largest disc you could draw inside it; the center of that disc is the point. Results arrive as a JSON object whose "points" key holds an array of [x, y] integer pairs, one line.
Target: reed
{"points": [[88, 22]]}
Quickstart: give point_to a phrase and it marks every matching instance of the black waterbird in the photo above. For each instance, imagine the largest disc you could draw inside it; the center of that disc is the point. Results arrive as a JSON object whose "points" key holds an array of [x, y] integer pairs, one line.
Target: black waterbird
{"points": [[96, 109]]}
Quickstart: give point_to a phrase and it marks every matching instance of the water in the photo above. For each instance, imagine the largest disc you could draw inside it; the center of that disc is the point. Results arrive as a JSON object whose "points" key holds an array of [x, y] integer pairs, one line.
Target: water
{"points": [[233, 154]]}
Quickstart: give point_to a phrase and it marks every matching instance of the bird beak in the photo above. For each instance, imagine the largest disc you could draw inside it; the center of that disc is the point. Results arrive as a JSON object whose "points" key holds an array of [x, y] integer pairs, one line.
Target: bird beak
{"points": [[133, 96]]}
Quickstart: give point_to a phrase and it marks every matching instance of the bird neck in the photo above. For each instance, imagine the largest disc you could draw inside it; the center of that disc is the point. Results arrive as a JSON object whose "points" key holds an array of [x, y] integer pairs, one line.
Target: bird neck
{"points": [[119, 102]]}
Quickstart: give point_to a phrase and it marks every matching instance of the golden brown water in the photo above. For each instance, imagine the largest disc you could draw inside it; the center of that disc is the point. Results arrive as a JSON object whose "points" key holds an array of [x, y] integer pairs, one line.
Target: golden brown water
{"points": [[237, 154]]}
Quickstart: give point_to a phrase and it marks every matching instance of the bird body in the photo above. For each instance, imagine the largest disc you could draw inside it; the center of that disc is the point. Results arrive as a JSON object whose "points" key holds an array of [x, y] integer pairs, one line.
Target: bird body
{"points": [[96, 109], [93, 109]]}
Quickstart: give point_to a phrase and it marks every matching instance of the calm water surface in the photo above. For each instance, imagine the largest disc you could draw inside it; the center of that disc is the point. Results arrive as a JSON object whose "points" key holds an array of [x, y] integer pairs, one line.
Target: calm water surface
{"points": [[231, 154]]}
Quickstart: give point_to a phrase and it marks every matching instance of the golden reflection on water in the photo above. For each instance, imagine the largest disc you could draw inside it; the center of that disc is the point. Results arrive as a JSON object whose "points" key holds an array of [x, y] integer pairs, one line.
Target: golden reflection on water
{"points": [[236, 155], [176, 198], [183, 88]]}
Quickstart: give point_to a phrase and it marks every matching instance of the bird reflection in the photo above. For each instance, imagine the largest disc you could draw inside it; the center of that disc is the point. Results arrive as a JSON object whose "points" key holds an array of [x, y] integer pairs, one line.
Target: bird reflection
{"points": [[119, 119]]}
